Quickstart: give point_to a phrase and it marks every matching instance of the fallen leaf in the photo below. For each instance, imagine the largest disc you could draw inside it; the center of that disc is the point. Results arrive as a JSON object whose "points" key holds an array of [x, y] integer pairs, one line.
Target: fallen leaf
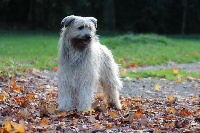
{"points": [[138, 113], [185, 113], [62, 115], [15, 86], [122, 71], [171, 99], [109, 125], [2, 130], [2, 97], [119, 124], [51, 109], [30, 96], [132, 65], [171, 110], [139, 78], [21, 70], [175, 71], [20, 128], [7, 126], [157, 87], [179, 80], [55, 69], [120, 60], [41, 84], [113, 114], [91, 111], [97, 124], [20, 100], [75, 121], [44, 121], [6, 90]]}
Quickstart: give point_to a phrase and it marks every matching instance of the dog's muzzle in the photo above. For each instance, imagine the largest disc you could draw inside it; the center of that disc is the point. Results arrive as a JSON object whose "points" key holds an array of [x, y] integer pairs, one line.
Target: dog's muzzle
{"points": [[86, 39]]}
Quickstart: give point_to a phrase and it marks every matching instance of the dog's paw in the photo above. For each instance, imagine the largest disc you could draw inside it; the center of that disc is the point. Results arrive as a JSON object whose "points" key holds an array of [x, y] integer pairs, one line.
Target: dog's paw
{"points": [[115, 106], [62, 109]]}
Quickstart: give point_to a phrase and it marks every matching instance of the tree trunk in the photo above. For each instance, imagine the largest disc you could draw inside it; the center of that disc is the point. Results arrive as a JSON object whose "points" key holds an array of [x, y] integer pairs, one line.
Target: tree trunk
{"points": [[109, 14], [31, 16], [184, 3]]}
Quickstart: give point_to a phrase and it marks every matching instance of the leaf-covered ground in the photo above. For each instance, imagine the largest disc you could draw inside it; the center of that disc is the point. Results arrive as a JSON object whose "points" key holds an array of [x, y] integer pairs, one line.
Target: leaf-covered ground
{"points": [[28, 104]]}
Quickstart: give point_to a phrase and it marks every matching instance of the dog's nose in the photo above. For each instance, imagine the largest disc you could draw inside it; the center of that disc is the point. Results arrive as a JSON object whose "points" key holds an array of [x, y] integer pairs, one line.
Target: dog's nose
{"points": [[88, 37]]}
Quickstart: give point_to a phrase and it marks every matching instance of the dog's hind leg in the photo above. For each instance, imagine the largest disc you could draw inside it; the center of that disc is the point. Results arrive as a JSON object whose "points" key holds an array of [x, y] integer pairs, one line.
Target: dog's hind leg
{"points": [[111, 84]]}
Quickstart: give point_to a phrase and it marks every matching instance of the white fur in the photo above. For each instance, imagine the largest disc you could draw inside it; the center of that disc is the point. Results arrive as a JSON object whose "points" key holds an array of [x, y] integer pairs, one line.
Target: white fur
{"points": [[80, 72]]}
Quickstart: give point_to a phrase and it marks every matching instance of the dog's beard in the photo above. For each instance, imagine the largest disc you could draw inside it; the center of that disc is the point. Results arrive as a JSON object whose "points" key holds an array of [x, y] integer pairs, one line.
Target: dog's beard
{"points": [[80, 44]]}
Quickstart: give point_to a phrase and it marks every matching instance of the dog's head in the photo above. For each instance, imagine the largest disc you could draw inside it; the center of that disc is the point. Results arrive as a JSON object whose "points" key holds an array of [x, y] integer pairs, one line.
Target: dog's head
{"points": [[79, 30]]}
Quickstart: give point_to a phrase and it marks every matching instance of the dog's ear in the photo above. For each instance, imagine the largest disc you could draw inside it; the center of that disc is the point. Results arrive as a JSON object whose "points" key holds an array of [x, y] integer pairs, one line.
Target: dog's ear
{"points": [[94, 20], [67, 20]]}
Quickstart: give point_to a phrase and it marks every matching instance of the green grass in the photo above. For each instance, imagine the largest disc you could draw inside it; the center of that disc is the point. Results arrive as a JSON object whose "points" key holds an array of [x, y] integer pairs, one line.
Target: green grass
{"points": [[39, 50], [153, 49]]}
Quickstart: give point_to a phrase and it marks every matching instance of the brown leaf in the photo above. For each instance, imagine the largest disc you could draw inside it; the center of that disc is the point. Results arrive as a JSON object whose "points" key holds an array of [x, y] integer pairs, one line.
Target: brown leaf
{"points": [[75, 120], [30, 96], [7, 126], [15, 87], [2, 97], [97, 124], [51, 109], [44, 121], [185, 113], [20, 128], [170, 99], [171, 110], [20, 100], [55, 69], [138, 113], [109, 125], [21, 70], [113, 114], [133, 65]]}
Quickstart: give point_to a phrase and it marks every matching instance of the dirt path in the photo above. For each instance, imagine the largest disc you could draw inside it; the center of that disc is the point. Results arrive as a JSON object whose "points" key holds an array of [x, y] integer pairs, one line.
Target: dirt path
{"points": [[191, 67], [146, 87]]}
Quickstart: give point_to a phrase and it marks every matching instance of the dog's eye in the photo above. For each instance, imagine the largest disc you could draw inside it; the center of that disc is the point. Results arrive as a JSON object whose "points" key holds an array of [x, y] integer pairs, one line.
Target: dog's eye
{"points": [[81, 27]]}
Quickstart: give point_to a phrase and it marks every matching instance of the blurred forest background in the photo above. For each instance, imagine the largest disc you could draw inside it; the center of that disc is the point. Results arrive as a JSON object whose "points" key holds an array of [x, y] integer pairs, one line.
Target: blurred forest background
{"points": [[135, 16]]}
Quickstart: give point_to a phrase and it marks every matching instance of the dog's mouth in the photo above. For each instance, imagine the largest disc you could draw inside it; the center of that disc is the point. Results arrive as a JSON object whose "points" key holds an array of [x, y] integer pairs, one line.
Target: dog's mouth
{"points": [[81, 43], [85, 42]]}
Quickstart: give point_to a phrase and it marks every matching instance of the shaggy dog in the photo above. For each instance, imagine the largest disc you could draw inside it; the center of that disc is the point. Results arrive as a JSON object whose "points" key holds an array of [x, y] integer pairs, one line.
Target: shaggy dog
{"points": [[84, 65]]}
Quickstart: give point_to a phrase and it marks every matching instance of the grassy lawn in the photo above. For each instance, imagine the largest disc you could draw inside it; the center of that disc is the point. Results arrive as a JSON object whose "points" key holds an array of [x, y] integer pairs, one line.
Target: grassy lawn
{"points": [[39, 50], [153, 49]]}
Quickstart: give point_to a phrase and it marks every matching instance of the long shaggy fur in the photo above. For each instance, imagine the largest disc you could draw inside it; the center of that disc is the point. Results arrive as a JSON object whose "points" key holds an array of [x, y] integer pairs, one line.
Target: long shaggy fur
{"points": [[83, 68]]}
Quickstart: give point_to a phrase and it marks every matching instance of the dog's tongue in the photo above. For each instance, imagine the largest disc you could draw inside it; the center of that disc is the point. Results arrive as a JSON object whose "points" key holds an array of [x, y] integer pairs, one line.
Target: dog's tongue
{"points": [[86, 42]]}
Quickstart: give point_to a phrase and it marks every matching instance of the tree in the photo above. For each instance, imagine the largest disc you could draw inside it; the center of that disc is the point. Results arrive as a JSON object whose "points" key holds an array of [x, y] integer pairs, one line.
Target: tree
{"points": [[183, 25], [109, 14]]}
